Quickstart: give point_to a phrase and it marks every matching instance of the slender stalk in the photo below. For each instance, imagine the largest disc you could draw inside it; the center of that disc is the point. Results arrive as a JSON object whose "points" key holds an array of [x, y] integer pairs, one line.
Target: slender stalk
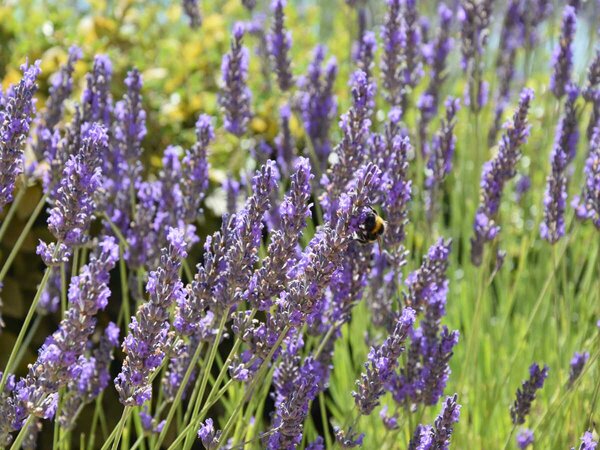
{"points": [[27, 340], [63, 289], [32, 308], [15, 250], [12, 210], [213, 350], [22, 433], [118, 431], [250, 389], [178, 396]]}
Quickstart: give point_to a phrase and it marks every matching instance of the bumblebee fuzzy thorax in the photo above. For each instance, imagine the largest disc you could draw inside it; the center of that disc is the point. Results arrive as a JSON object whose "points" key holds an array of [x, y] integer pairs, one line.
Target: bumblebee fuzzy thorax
{"points": [[372, 228]]}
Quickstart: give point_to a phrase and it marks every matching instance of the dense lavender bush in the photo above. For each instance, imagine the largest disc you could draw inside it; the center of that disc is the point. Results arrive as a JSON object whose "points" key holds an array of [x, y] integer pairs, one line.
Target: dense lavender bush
{"points": [[285, 276]]}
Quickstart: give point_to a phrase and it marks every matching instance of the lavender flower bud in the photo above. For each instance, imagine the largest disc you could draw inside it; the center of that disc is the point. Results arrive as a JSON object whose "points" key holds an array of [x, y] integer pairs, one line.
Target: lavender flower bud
{"points": [[591, 91], [525, 438], [96, 98], [268, 281], [392, 61], [413, 68], [352, 151], [444, 424], [526, 394], [318, 103], [587, 442], [496, 173], [474, 17], [60, 89], [587, 206], [15, 119], [249, 4], [382, 362], [293, 410], [555, 198], [428, 102], [75, 204], [280, 43], [365, 53], [208, 435], [235, 97], [191, 8], [577, 364], [286, 150], [147, 341], [195, 170], [562, 58], [123, 166], [439, 163]]}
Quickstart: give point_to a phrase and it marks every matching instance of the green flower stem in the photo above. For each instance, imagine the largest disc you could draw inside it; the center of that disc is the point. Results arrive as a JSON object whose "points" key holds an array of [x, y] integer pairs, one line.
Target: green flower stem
{"points": [[32, 309], [178, 396], [250, 389], [208, 365], [12, 210], [15, 250], [22, 433]]}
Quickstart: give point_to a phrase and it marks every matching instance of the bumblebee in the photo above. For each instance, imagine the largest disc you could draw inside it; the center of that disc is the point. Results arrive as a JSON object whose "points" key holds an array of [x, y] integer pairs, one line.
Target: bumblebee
{"points": [[372, 229]]}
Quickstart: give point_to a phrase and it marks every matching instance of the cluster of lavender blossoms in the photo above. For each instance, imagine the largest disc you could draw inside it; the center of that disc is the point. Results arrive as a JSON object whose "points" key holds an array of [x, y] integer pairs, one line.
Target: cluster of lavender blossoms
{"points": [[496, 173], [16, 115], [251, 319], [235, 97]]}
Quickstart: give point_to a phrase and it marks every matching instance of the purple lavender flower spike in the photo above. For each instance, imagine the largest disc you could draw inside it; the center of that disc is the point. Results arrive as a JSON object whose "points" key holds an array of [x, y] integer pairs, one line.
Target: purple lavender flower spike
{"points": [[577, 364], [148, 340], [317, 444], [439, 163], [587, 206], [382, 363], [232, 191], [59, 358], [286, 148], [496, 173], [96, 98], [318, 103], [587, 442], [293, 408], [394, 41], [195, 170], [440, 48], [268, 281], [474, 17], [562, 58], [191, 8], [235, 97], [93, 379], [526, 394], [525, 438], [565, 144], [75, 203], [365, 53], [123, 166], [444, 424], [280, 42], [591, 91], [60, 89], [353, 149], [413, 68], [15, 119]]}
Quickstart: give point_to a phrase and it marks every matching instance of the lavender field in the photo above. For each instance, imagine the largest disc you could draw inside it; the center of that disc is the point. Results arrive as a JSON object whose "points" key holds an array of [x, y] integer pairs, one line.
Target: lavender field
{"points": [[271, 224]]}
